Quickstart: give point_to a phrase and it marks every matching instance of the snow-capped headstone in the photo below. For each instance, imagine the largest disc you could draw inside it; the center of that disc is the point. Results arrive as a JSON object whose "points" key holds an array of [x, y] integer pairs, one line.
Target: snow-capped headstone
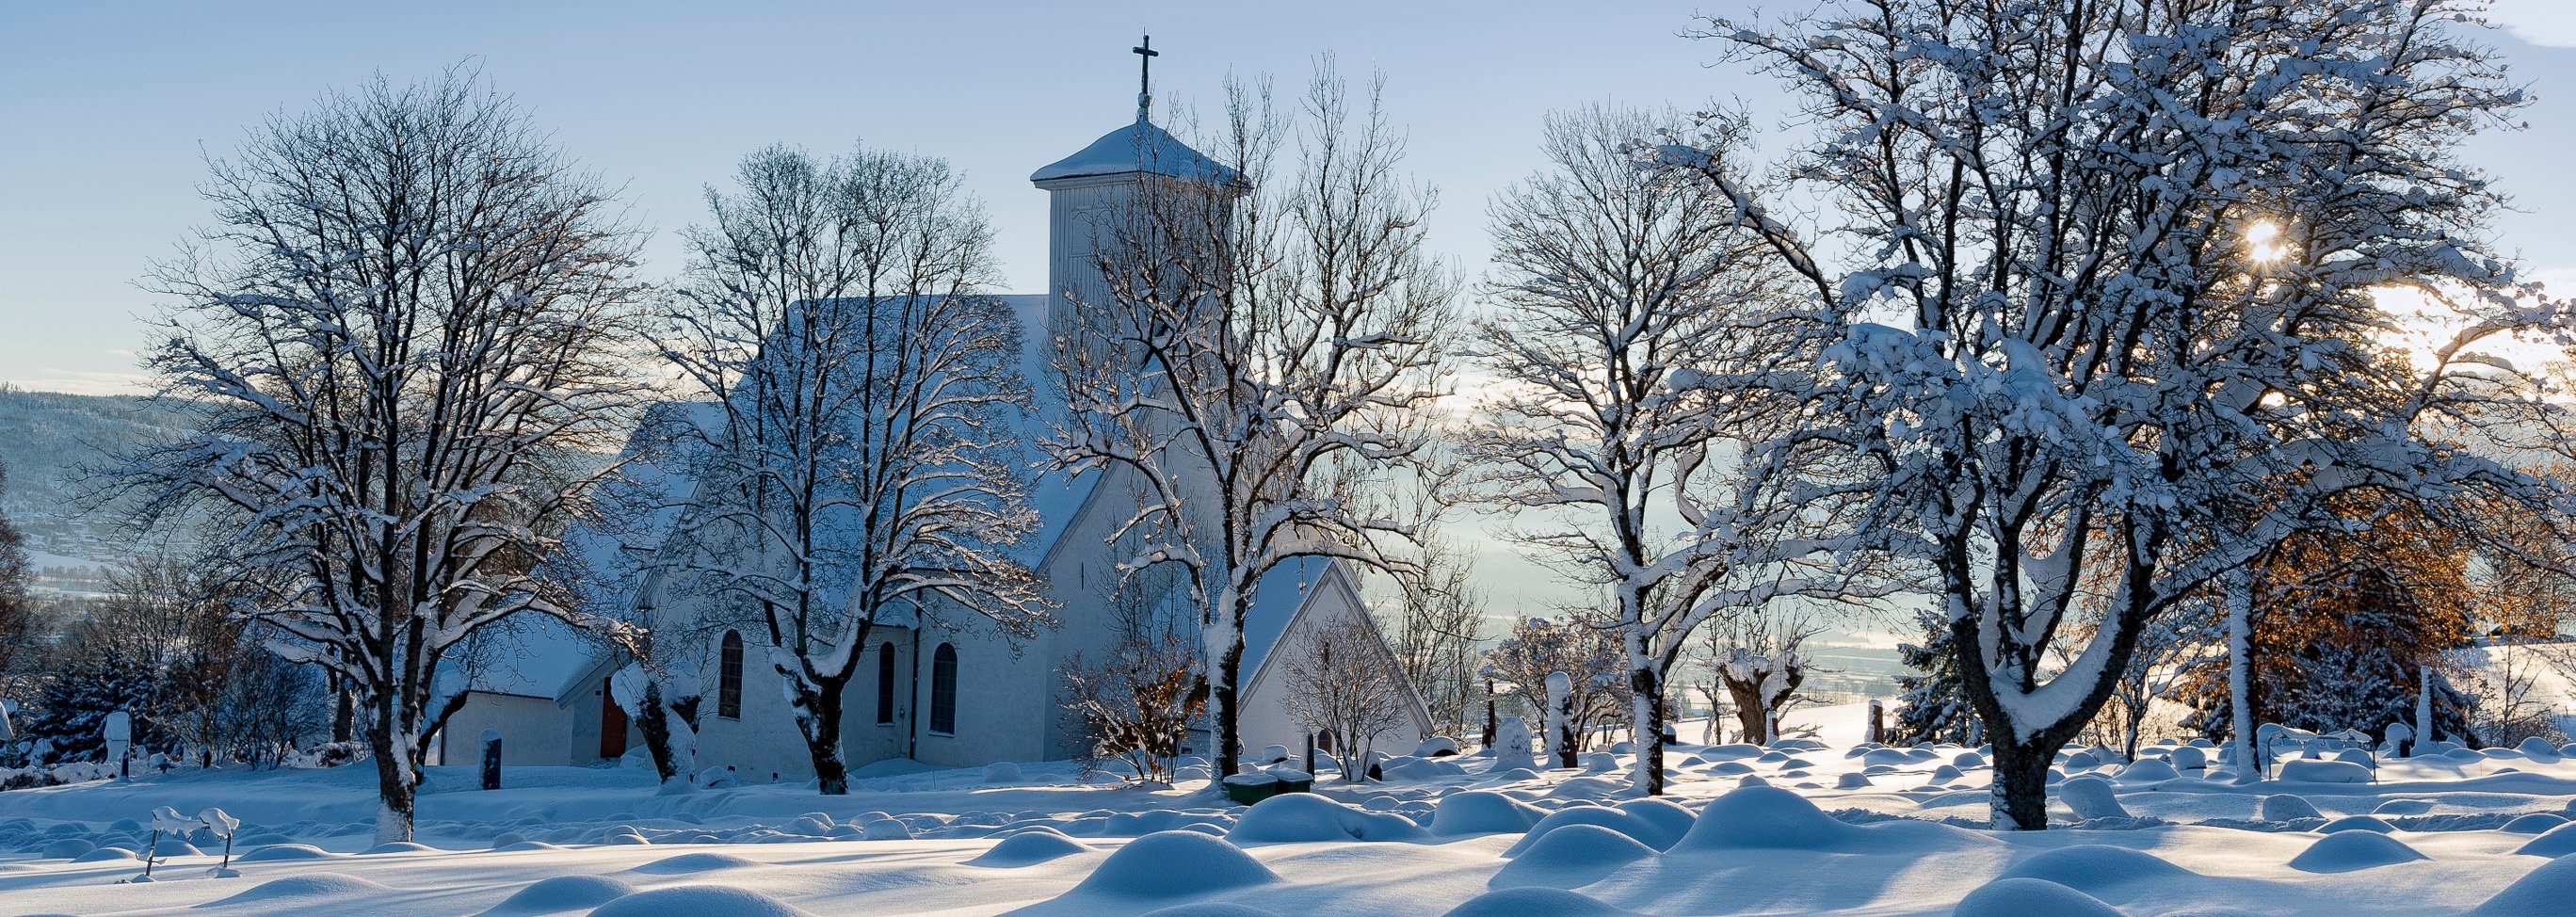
{"points": [[118, 730], [1512, 747]]}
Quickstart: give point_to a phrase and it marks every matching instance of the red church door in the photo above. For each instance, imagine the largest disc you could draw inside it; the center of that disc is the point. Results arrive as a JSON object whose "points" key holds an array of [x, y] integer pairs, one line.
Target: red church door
{"points": [[612, 725]]}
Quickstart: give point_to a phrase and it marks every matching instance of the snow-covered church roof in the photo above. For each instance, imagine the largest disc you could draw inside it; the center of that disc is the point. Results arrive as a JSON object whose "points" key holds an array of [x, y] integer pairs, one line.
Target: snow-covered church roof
{"points": [[1139, 147]]}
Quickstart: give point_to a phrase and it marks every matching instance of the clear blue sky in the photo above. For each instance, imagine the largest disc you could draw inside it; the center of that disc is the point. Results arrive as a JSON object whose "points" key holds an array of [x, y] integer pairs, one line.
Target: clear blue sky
{"points": [[106, 107]]}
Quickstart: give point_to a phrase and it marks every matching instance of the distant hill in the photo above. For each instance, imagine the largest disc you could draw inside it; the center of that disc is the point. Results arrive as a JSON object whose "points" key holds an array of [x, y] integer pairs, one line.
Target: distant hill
{"points": [[49, 441]]}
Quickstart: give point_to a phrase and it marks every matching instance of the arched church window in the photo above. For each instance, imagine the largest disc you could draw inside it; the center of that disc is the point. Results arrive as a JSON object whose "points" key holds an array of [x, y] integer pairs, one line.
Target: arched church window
{"points": [[943, 690], [885, 684], [729, 676]]}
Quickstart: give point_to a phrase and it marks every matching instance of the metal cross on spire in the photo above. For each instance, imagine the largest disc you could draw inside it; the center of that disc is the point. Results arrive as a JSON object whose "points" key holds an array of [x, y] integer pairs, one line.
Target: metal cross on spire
{"points": [[1145, 55]]}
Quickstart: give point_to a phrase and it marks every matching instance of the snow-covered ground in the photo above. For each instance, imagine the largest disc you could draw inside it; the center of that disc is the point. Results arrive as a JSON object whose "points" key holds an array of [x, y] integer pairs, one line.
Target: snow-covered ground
{"points": [[1838, 830]]}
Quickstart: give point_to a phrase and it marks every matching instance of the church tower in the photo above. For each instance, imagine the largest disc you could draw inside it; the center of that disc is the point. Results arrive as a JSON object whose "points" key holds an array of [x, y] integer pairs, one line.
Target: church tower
{"points": [[1094, 192]]}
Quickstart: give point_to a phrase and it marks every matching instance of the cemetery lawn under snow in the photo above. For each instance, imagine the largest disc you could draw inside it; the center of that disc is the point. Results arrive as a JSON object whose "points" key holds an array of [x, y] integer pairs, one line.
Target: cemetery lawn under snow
{"points": [[1837, 830]]}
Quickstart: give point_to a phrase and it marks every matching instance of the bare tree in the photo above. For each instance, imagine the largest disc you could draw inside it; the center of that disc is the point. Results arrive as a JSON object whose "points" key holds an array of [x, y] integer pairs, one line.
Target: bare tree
{"points": [[1137, 704], [1760, 661], [1266, 343], [2111, 289], [1344, 683], [866, 465], [1436, 625], [409, 319], [1633, 302], [1574, 643]]}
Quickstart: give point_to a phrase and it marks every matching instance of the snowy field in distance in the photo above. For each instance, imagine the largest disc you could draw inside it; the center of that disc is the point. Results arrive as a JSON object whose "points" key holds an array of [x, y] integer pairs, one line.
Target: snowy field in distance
{"points": [[1838, 830]]}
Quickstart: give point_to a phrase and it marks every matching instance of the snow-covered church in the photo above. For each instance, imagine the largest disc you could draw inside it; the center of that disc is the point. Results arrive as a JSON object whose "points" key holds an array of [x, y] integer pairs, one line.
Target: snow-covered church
{"points": [[938, 692]]}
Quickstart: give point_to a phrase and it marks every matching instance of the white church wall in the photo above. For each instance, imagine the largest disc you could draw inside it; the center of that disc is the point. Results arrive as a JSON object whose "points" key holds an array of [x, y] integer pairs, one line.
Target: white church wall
{"points": [[762, 744], [533, 731], [863, 739]]}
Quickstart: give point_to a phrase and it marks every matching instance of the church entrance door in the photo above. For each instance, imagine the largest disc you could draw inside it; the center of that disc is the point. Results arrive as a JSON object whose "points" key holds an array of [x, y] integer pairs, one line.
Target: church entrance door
{"points": [[612, 725]]}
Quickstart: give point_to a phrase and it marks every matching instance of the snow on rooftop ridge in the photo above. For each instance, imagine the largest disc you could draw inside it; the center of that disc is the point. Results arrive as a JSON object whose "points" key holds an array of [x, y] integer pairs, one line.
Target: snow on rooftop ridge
{"points": [[1139, 147]]}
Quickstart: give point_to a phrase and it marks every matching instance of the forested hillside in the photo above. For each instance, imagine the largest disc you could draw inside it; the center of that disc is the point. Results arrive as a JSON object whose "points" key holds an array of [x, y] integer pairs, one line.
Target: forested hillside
{"points": [[49, 442]]}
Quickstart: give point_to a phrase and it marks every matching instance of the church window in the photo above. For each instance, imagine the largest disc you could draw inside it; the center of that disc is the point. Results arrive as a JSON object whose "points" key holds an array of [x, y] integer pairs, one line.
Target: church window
{"points": [[729, 677], [885, 684], [943, 690]]}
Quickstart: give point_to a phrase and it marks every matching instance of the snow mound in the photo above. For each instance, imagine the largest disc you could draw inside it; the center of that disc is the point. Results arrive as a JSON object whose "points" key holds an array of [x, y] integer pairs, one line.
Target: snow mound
{"points": [[1757, 817], [1535, 902], [275, 853], [2095, 867], [2537, 747], [561, 893], [518, 846], [1668, 818], [2288, 807], [174, 847], [1729, 752], [1851, 781], [1621, 821], [2353, 850], [1571, 856], [886, 829], [1295, 817], [398, 847], [1028, 848], [693, 862], [1945, 774], [317, 885], [2319, 771], [2091, 797], [2553, 843], [697, 901], [105, 854], [1211, 909], [1171, 864], [2358, 823], [67, 848], [2534, 823], [2403, 807], [2020, 896], [1421, 769], [2151, 770], [2542, 892], [1001, 772], [1482, 812]]}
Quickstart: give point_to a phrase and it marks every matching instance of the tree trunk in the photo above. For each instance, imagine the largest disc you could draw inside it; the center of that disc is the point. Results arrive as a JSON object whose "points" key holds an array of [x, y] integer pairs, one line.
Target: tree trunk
{"points": [[2136, 715], [1224, 698], [822, 728], [1648, 731], [2424, 703], [344, 712], [2021, 785], [1752, 719], [2240, 698], [395, 784]]}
